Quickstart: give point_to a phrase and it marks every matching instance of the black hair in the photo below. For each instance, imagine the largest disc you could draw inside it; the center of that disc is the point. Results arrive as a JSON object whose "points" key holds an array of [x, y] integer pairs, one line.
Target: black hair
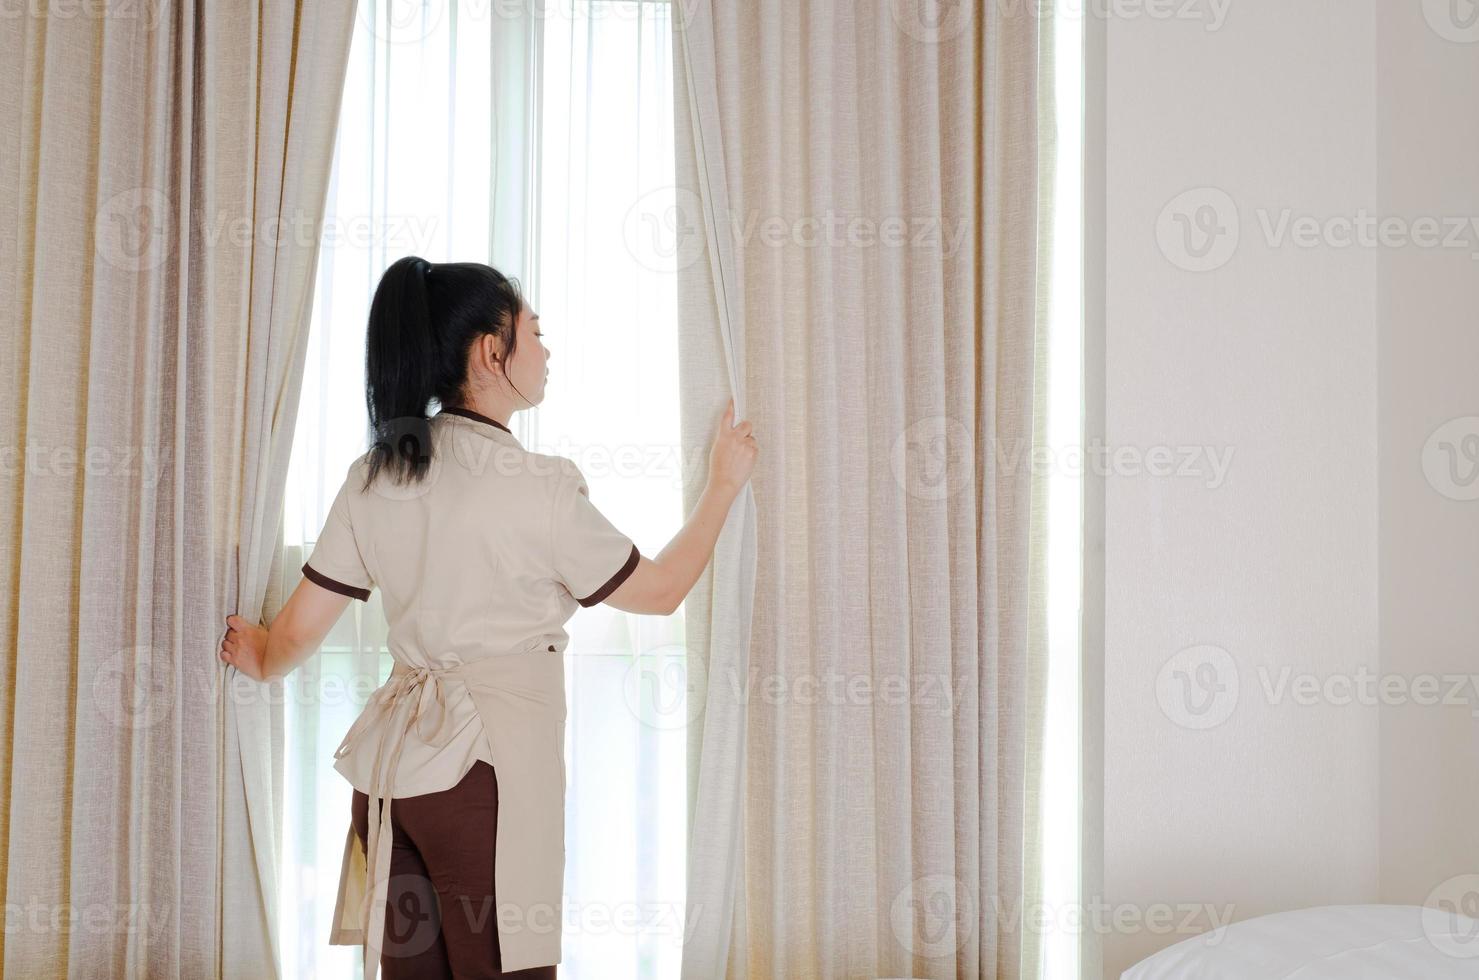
{"points": [[424, 319]]}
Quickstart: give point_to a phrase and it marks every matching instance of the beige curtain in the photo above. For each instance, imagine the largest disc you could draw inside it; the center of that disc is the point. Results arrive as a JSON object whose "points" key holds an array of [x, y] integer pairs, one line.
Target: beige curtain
{"points": [[862, 187], [164, 169]]}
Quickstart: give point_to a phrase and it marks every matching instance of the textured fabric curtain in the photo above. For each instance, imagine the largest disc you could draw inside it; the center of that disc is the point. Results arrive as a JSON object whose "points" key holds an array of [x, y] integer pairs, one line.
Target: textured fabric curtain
{"points": [[863, 185], [164, 168]]}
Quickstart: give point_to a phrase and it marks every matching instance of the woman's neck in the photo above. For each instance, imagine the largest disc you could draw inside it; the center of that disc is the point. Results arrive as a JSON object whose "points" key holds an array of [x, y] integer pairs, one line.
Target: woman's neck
{"points": [[489, 405]]}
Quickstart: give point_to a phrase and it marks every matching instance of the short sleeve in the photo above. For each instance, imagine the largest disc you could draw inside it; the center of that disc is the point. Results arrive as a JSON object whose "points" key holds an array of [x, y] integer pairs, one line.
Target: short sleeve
{"points": [[589, 555], [336, 563]]}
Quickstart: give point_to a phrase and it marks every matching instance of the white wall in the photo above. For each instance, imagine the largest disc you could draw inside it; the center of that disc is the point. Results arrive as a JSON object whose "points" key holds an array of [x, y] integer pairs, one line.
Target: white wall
{"points": [[1273, 354], [1428, 369]]}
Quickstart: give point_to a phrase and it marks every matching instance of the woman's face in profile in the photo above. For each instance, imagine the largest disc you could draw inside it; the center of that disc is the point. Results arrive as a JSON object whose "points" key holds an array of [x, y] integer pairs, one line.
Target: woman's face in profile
{"points": [[528, 369]]}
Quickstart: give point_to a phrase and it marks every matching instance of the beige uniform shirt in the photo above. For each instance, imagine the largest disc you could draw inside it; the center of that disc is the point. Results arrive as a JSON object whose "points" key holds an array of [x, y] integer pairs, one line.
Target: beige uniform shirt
{"points": [[479, 566]]}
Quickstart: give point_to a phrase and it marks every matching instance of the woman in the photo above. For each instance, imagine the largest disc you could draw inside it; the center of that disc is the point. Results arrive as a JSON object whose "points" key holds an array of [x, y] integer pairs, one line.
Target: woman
{"points": [[482, 551]]}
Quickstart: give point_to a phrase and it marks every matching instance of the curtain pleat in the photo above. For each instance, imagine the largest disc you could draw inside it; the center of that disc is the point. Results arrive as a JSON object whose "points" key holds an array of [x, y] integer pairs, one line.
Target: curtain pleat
{"points": [[165, 168], [867, 179]]}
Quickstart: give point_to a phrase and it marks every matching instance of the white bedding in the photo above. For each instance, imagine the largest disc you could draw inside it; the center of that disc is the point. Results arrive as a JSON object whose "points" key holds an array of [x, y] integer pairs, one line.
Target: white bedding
{"points": [[1334, 942]]}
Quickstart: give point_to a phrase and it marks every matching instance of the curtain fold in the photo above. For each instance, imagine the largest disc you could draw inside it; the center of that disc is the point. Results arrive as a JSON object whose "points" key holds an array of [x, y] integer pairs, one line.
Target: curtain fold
{"points": [[869, 642], [165, 169], [719, 608]]}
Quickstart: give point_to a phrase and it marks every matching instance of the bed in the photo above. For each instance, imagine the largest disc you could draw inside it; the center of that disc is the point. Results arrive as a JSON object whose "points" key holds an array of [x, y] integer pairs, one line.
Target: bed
{"points": [[1332, 942]]}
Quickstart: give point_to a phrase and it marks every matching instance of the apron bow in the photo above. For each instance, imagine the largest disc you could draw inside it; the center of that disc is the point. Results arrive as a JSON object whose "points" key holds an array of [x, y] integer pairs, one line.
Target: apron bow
{"points": [[414, 694]]}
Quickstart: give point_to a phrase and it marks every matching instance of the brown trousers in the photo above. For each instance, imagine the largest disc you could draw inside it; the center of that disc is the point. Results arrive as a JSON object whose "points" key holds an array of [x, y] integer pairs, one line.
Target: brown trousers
{"points": [[439, 912]]}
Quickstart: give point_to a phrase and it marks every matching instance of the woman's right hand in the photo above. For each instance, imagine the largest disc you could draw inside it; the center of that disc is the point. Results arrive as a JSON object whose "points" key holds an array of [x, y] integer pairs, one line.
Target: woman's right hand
{"points": [[732, 457], [245, 647]]}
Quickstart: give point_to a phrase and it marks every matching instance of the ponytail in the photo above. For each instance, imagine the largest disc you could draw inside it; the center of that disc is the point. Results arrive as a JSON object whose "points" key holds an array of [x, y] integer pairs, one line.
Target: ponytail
{"points": [[400, 356], [423, 321]]}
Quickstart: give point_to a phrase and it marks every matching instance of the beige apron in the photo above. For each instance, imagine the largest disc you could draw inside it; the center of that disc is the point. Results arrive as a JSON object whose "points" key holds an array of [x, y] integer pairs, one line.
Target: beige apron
{"points": [[521, 700]]}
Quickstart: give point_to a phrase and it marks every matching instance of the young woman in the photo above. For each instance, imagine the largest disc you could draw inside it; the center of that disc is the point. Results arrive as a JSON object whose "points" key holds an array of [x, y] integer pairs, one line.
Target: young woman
{"points": [[482, 551]]}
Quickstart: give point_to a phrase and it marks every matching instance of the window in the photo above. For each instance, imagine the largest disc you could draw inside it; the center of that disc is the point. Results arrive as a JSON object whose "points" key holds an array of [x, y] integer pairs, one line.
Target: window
{"points": [[1062, 754], [542, 146]]}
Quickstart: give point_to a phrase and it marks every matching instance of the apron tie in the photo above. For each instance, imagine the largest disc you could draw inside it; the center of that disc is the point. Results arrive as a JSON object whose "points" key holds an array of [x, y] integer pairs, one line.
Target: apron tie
{"points": [[412, 694], [520, 698]]}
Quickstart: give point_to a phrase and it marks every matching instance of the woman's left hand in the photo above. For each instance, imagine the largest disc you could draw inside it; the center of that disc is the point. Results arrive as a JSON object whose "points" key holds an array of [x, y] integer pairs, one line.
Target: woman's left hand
{"points": [[245, 647]]}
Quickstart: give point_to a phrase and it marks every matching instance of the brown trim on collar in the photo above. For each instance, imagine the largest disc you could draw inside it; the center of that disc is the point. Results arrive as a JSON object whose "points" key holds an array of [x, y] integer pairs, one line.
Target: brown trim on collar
{"points": [[622, 574], [468, 413], [323, 581]]}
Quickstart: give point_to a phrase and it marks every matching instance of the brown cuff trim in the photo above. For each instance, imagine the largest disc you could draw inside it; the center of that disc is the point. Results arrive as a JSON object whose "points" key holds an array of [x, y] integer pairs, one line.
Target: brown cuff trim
{"points": [[323, 581], [614, 582]]}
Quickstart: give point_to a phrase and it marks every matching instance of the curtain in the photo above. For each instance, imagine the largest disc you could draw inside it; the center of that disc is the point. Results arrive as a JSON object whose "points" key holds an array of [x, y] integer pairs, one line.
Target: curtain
{"points": [[863, 187], [164, 169]]}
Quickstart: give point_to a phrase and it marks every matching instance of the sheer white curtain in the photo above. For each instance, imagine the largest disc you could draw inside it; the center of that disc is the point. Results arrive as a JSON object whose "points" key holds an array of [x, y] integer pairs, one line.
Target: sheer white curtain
{"points": [[1064, 956], [537, 138]]}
